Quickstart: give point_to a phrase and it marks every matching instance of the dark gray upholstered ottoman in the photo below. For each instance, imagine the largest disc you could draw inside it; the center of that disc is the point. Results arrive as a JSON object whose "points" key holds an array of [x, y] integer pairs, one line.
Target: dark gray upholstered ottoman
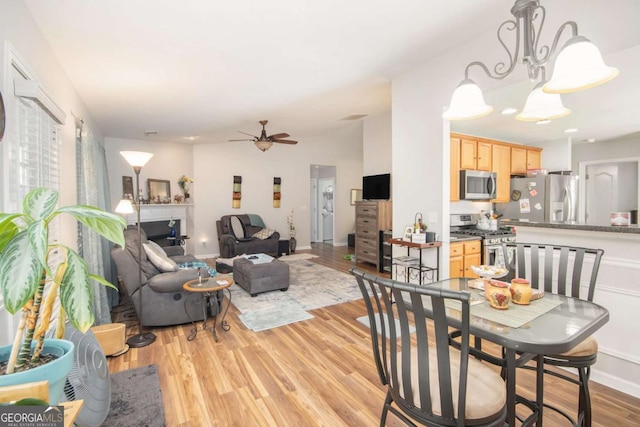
{"points": [[258, 278]]}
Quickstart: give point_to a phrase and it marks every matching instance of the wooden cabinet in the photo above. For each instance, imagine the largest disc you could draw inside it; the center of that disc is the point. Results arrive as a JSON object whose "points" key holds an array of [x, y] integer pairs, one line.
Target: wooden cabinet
{"points": [[454, 170], [504, 158], [462, 255], [483, 162], [523, 158], [475, 155], [501, 164], [372, 217]]}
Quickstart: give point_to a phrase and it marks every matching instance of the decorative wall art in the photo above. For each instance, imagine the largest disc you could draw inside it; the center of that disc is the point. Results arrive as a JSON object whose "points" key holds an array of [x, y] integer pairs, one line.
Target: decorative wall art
{"points": [[127, 187], [276, 191], [237, 192]]}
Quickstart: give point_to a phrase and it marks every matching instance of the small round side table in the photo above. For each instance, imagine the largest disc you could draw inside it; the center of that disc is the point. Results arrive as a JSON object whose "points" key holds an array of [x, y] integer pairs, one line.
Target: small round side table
{"points": [[207, 288]]}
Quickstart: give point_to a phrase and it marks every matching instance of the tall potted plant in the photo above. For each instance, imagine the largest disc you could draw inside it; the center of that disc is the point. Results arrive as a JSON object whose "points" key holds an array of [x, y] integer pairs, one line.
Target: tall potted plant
{"points": [[25, 258]]}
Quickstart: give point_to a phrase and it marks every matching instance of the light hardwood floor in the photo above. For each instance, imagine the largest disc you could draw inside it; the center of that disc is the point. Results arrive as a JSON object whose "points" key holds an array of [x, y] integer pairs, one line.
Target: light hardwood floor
{"points": [[319, 372]]}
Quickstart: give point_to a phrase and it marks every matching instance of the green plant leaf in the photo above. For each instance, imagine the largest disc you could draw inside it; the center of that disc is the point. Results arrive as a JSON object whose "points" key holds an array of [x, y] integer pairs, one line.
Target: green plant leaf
{"points": [[40, 203], [103, 281], [38, 239], [8, 228], [76, 294], [106, 224], [20, 272]]}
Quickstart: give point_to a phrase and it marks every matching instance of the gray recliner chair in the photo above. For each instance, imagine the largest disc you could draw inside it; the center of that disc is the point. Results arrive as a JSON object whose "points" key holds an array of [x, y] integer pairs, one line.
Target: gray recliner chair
{"points": [[232, 245], [163, 298]]}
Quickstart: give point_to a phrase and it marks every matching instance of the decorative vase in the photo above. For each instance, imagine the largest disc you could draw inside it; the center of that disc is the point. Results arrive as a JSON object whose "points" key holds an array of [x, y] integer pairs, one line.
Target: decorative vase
{"points": [[55, 372], [292, 244], [173, 232], [521, 291], [498, 294]]}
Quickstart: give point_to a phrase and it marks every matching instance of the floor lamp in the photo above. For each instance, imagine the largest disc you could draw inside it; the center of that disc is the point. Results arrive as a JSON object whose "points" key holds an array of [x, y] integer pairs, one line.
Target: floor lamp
{"points": [[138, 159]]}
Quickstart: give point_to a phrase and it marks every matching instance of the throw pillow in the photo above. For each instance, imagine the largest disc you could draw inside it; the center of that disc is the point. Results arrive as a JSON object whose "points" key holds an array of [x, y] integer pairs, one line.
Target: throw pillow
{"points": [[159, 258], [265, 233], [237, 227]]}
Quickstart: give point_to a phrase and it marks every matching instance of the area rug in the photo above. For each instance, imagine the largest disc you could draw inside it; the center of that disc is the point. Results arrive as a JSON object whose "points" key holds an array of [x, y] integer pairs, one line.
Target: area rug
{"points": [[311, 286], [297, 257], [136, 398]]}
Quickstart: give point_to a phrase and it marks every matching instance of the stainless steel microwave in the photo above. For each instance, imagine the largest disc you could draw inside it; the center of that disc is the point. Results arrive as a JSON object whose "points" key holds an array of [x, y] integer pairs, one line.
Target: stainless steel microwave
{"points": [[477, 185]]}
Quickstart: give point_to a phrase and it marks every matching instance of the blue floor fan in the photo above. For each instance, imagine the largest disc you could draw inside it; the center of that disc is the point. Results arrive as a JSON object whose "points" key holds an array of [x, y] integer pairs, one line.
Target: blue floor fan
{"points": [[89, 378]]}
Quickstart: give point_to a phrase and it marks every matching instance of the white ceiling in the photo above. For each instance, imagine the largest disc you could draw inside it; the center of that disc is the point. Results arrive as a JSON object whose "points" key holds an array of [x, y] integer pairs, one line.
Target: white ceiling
{"points": [[211, 68]]}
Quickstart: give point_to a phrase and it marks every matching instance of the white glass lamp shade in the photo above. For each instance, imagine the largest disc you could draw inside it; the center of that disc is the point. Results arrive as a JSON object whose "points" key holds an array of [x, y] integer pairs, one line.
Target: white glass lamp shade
{"points": [[579, 66], [467, 103], [263, 145], [124, 207], [136, 158], [542, 106]]}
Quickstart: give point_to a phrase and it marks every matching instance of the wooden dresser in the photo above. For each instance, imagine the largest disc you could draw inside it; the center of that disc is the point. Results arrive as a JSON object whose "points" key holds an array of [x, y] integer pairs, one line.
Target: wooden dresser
{"points": [[372, 216]]}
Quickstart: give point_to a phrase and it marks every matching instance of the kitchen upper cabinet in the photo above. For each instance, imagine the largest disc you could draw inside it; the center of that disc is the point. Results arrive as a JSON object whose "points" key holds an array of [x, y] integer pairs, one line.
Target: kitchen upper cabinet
{"points": [[523, 158], [454, 170], [475, 155], [504, 158], [468, 153], [483, 162], [501, 164]]}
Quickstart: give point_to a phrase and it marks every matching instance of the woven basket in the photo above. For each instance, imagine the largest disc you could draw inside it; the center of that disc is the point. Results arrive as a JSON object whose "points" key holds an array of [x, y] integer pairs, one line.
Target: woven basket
{"points": [[110, 337]]}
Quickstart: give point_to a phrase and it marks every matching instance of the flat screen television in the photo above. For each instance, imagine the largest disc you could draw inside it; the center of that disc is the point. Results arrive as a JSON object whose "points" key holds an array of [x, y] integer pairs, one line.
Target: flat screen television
{"points": [[376, 187]]}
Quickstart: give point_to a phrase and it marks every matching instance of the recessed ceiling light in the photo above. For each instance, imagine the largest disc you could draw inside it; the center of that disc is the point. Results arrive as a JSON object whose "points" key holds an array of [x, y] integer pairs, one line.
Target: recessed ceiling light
{"points": [[191, 138], [543, 122], [572, 130], [590, 140], [508, 111]]}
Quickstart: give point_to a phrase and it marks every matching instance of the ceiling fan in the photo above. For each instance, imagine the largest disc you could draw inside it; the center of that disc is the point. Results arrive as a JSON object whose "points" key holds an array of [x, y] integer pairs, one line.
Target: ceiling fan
{"points": [[264, 142]]}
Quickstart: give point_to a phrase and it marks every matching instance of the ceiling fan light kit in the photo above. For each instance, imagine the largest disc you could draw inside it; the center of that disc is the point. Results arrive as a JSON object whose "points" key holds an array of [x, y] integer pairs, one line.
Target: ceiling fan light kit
{"points": [[578, 66], [264, 142]]}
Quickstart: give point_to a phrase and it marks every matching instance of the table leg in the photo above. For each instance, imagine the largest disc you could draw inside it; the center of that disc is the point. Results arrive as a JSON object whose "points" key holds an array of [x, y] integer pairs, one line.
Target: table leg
{"points": [[511, 386], [540, 387], [194, 328]]}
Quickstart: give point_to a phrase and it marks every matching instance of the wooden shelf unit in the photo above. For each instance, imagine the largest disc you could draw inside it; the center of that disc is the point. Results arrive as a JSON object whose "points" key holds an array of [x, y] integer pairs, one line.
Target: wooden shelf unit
{"points": [[372, 217]]}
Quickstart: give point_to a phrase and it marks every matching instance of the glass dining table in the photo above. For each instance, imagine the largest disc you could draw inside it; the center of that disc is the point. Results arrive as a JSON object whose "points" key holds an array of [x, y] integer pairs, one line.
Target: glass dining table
{"points": [[550, 325]]}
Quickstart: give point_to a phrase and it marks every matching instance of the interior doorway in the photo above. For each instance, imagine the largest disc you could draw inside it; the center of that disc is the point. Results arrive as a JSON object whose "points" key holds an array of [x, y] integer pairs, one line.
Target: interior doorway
{"points": [[608, 186], [322, 212]]}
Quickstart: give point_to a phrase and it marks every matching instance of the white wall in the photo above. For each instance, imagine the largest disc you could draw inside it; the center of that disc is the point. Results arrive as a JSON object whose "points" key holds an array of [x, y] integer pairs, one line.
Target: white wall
{"points": [[215, 165], [377, 144], [170, 161], [615, 149]]}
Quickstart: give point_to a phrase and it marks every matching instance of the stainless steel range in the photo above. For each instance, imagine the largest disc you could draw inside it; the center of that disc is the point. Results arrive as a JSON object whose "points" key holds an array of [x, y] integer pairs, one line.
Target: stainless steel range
{"points": [[466, 225]]}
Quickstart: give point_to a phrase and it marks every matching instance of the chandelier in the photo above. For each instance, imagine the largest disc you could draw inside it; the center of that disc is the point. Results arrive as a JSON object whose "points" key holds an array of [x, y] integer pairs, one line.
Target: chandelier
{"points": [[578, 66]]}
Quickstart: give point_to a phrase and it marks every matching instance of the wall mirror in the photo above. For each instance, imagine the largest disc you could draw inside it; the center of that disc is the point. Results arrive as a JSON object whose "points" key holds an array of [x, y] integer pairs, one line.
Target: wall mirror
{"points": [[356, 196], [159, 190]]}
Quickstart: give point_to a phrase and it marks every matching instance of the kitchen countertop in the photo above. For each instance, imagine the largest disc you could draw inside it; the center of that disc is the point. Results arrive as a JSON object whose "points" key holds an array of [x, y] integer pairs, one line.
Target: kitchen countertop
{"points": [[630, 229], [463, 238]]}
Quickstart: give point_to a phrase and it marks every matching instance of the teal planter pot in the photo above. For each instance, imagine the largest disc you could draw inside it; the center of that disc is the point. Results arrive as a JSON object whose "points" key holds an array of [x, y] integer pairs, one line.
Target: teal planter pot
{"points": [[55, 372]]}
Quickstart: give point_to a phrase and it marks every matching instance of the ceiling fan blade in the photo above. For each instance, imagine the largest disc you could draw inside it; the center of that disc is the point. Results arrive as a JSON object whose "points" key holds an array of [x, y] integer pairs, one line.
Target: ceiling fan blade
{"points": [[241, 140], [285, 141], [247, 134], [278, 136]]}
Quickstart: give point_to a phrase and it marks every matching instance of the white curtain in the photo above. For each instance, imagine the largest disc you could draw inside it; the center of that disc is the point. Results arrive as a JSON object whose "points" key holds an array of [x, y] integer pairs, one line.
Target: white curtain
{"points": [[92, 190]]}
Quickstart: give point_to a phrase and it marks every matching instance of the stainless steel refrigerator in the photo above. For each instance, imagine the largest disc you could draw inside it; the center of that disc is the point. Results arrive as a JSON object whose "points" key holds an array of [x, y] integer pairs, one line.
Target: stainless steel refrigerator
{"points": [[544, 198]]}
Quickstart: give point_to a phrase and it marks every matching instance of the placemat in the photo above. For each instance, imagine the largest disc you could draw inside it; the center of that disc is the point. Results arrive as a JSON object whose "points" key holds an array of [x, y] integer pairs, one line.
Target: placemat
{"points": [[515, 316]]}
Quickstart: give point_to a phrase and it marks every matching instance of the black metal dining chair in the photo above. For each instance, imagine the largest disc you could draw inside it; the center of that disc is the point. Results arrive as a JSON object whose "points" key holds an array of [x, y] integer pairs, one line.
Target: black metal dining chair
{"points": [[570, 271], [428, 382]]}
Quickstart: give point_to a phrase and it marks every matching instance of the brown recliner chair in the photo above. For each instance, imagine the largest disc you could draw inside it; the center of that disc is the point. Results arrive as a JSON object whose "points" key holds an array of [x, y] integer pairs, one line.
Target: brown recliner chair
{"points": [[232, 245]]}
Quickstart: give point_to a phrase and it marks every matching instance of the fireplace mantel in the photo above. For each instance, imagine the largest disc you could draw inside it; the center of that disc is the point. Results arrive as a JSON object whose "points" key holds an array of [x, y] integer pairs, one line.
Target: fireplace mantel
{"points": [[159, 212]]}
